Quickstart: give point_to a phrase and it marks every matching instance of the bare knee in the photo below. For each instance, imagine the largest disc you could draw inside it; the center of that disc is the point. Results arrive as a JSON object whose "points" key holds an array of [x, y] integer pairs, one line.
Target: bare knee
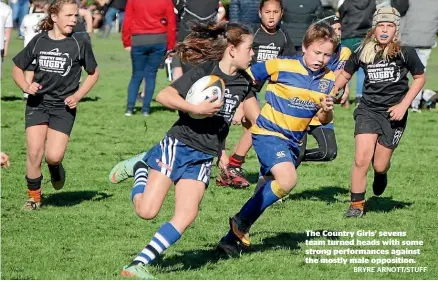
{"points": [[287, 183], [361, 162], [146, 212], [380, 167], [53, 159]]}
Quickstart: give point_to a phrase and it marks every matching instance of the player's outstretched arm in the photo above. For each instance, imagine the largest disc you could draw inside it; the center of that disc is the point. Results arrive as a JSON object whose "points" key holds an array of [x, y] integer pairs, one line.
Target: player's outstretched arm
{"points": [[341, 82]]}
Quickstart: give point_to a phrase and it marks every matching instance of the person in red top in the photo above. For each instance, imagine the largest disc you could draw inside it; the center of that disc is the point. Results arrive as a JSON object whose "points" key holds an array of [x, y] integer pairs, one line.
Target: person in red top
{"points": [[149, 30]]}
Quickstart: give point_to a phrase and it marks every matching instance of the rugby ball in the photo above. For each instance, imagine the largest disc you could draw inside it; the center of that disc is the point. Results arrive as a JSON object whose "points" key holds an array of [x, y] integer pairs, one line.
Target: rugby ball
{"points": [[206, 87]]}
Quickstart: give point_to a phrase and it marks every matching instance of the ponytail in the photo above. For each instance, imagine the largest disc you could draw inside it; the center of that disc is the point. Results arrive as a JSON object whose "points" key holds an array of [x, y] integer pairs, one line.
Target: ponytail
{"points": [[208, 41]]}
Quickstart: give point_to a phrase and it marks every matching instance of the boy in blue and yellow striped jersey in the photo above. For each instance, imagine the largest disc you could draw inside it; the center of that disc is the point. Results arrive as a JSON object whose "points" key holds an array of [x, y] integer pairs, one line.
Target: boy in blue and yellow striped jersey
{"points": [[327, 149], [298, 89]]}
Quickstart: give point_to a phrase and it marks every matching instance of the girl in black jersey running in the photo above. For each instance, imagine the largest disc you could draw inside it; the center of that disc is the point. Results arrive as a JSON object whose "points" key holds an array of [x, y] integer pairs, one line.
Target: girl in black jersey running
{"points": [[382, 114], [54, 92], [185, 155]]}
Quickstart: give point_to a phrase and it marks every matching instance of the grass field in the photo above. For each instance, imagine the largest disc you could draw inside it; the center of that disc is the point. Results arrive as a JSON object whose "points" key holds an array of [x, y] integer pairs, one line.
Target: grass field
{"points": [[89, 230]]}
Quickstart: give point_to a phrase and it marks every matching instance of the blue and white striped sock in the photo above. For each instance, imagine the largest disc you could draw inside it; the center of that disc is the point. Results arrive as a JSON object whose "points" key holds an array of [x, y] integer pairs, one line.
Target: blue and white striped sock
{"points": [[166, 236], [140, 178]]}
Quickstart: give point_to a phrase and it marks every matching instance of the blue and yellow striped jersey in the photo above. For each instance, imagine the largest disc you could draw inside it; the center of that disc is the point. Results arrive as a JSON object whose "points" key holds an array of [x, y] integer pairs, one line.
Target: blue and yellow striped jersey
{"points": [[292, 96], [339, 58]]}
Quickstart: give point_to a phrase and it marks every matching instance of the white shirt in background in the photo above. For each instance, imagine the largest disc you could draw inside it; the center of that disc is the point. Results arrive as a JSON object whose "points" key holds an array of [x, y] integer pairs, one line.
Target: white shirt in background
{"points": [[5, 22], [29, 25]]}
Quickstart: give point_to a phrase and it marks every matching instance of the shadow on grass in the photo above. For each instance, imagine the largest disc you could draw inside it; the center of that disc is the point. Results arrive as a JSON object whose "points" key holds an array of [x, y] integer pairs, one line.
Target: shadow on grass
{"points": [[11, 98], [324, 193], [192, 260], [92, 99], [384, 204], [71, 198], [280, 240], [252, 177], [154, 109]]}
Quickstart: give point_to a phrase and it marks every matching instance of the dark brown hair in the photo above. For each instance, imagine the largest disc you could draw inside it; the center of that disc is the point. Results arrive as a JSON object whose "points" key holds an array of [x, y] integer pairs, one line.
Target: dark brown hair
{"points": [[262, 3], [208, 41], [320, 31], [55, 7]]}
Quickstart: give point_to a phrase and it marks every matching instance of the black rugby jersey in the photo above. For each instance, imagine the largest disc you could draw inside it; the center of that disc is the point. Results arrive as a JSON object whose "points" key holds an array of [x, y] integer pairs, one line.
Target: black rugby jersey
{"points": [[268, 46], [58, 65], [386, 82], [208, 135]]}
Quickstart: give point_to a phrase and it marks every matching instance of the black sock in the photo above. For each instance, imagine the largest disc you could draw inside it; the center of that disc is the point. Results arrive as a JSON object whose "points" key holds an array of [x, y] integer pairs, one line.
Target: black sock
{"points": [[355, 197], [34, 184], [135, 263], [53, 168], [54, 171], [139, 165]]}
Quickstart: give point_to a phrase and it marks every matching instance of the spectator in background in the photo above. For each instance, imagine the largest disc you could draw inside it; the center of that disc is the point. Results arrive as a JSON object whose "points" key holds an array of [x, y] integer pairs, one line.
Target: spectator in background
{"points": [[418, 29], [20, 8], [29, 28], [221, 13], [357, 19], [6, 25], [148, 31], [83, 4], [191, 11], [97, 10], [85, 21], [245, 12], [115, 7], [298, 15], [402, 6]]}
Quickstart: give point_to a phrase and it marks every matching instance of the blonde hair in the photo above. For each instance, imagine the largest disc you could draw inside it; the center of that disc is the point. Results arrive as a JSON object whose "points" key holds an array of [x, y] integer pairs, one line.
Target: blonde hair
{"points": [[370, 48]]}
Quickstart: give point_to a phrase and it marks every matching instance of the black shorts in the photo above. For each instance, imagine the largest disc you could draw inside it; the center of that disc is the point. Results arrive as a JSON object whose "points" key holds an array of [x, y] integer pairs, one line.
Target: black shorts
{"points": [[60, 119], [2, 54], [378, 122]]}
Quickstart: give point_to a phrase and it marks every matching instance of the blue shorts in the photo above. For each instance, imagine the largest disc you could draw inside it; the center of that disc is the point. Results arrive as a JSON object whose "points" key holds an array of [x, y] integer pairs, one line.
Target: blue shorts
{"points": [[272, 150], [178, 161], [326, 126]]}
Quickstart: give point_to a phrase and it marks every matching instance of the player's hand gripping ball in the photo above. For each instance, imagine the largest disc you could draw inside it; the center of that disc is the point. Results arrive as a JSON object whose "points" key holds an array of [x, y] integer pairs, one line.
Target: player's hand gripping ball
{"points": [[205, 88]]}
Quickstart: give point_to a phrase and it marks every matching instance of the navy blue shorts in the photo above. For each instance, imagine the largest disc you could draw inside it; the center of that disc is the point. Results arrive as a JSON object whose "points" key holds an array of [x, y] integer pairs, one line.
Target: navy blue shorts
{"points": [[272, 150], [326, 126], [178, 161]]}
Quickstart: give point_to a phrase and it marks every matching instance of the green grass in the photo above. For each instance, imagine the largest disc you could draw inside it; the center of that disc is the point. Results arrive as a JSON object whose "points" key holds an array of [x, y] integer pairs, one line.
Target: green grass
{"points": [[89, 229]]}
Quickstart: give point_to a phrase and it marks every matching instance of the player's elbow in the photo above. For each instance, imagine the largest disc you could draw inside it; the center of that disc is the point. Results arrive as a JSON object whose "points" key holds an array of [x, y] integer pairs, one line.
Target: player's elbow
{"points": [[420, 78], [163, 96], [160, 97], [94, 75]]}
